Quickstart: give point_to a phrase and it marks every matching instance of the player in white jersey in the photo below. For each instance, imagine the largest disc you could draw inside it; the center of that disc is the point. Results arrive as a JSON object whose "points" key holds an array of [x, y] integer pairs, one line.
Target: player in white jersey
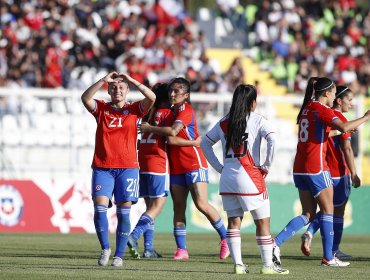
{"points": [[242, 184]]}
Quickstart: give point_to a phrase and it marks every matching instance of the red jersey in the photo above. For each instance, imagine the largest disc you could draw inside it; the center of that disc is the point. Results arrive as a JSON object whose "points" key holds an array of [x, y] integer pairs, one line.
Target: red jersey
{"points": [[116, 135], [334, 155], [185, 159], [152, 148], [313, 135]]}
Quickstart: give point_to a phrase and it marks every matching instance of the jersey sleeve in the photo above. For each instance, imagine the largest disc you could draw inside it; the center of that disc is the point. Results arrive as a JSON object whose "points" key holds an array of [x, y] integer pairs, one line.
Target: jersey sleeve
{"points": [[99, 104], [185, 115], [266, 128], [327, 115], [211, 138], [268, 133], [347, 135]]}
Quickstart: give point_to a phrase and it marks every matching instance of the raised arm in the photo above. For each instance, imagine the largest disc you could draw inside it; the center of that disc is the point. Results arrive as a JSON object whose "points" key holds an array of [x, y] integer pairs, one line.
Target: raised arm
{"points": [[149, 99], [351, 125], [350, 159], [87, 96]]}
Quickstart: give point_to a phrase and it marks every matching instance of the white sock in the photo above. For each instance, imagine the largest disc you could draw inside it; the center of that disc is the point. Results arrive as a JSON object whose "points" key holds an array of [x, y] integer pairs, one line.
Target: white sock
{"points": [[265, 244], [234, 243]]}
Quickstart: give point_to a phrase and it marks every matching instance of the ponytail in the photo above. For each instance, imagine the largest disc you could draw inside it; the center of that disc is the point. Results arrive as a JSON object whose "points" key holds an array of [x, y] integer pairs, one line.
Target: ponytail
{"points": [[307, 96], [241, 105]]}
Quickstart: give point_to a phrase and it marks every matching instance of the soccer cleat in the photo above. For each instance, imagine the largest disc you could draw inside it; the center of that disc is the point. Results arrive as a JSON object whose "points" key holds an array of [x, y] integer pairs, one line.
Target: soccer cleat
{"points": [[306, 239], [241, 269], [104, 257], [224, 250], [181, 254], [133, 247], [276, 255], [273, 269], [117, 261], [342, 256], [334, 262], [151, 254]]}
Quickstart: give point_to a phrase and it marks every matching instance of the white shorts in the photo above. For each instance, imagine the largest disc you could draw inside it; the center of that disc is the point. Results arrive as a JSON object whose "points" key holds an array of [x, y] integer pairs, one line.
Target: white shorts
{"points": [[236, 205]]}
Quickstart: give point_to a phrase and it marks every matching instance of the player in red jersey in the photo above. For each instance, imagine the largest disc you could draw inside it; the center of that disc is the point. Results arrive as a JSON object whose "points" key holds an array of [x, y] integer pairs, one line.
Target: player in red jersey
{"points": [[115, 165], [188, 168], [311, 171], [242, 184], [154, 172], [341, 162]]}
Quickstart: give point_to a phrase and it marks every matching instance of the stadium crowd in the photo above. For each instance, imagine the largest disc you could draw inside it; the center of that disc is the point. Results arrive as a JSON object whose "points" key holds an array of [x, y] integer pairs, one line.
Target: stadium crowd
{"points": [[66, 43], [313, 38]]}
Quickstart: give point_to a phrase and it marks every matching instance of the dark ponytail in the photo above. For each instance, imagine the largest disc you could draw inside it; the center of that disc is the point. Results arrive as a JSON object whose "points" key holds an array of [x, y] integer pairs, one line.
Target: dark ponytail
{"points": [[161, 93], [315, 87], [308, 95], [243, 98]]}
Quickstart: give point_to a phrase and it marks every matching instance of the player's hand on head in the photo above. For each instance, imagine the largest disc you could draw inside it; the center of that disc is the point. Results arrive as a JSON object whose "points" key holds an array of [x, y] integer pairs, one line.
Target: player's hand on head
{"points": [[111, 77], [124, 77]]}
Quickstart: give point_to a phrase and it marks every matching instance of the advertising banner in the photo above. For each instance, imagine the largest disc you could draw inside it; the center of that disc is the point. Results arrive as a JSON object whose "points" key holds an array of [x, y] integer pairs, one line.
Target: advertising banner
{"points": [[50, 206]]}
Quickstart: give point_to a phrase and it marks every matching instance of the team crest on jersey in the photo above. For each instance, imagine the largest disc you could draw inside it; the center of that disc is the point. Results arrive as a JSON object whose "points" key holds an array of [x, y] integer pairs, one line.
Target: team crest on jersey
{"points": [[11, 205], [106, 112], [126, 112], [97, 188]]}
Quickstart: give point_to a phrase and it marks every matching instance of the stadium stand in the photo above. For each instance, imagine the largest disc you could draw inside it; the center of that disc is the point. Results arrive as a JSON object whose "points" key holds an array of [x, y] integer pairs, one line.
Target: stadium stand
{"points": [[69, 44]]}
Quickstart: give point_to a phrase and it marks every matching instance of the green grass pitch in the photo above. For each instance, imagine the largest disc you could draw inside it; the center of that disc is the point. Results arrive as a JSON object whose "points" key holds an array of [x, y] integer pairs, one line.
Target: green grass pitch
{"points": [[74, 256]]}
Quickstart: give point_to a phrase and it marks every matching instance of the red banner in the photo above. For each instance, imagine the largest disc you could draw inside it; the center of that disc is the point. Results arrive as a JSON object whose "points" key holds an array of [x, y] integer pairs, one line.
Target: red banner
{"points": [[52, 206], [24, 207]]}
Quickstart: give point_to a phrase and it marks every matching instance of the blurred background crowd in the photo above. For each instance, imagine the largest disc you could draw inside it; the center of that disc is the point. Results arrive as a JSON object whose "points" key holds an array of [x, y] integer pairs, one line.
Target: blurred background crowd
{"points": [[67, 43]]}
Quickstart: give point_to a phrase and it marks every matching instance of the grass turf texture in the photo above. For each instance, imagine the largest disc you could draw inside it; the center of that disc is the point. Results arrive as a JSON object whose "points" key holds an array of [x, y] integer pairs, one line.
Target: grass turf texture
{"points": [[74, 256]]}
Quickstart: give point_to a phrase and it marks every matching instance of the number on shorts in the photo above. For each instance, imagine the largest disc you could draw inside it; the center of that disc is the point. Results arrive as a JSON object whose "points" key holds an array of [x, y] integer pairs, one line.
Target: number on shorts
{"points": [[133, 187], [303, 130], [194, 175]]}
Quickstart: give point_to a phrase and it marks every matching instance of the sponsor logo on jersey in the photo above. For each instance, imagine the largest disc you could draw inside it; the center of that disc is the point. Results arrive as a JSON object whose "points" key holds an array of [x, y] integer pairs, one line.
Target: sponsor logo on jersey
{"points": [[11, 205]]}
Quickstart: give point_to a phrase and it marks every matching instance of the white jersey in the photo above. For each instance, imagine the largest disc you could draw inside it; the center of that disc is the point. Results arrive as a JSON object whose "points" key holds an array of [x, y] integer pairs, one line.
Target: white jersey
{"points": [[241, 170]]}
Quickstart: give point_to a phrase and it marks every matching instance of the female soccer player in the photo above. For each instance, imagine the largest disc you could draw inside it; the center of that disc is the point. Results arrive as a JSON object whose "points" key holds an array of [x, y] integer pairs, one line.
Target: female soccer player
{"points": [[343, 170], [311, 171], [188, 168], [154, 172], [115, 169], [242, 184]]}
